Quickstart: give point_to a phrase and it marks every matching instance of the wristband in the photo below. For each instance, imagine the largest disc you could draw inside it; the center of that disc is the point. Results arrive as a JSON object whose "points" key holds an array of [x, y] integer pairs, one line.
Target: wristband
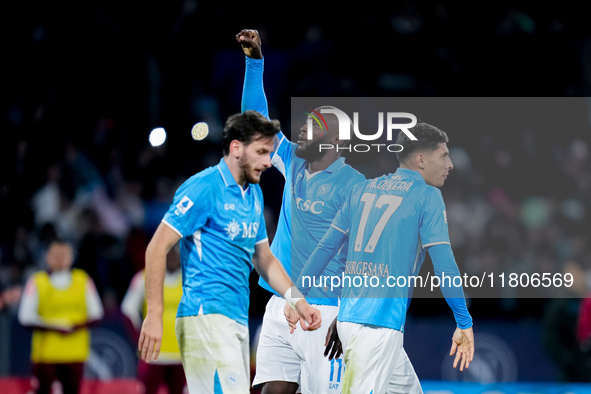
{"points": [[291, 299]]}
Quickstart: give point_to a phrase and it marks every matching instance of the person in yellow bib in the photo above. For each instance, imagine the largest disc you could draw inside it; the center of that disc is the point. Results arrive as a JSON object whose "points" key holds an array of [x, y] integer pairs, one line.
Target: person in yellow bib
{"points": [[59, 304], [168, 369]]}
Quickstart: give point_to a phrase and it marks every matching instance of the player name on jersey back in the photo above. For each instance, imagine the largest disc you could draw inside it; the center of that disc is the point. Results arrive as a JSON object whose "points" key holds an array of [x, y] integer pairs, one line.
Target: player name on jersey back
{"points": [[392, 183]]}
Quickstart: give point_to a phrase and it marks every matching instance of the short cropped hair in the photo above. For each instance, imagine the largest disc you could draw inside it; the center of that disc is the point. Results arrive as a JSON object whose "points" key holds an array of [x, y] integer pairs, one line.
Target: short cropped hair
{"points": [[244, 126], [428, 139]]}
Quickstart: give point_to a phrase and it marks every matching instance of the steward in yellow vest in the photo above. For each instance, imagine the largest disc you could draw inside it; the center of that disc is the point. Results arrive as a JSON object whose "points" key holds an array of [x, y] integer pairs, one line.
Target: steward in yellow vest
{"points": [[59, 304]]}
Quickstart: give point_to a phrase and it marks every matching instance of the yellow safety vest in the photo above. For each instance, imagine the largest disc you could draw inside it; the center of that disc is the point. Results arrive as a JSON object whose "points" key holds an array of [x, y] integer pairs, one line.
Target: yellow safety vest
{"points": [[66, 305]]}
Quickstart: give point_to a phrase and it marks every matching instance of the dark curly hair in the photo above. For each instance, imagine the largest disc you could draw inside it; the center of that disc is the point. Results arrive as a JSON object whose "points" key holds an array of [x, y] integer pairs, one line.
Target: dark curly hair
{"points": [[245, 126]]}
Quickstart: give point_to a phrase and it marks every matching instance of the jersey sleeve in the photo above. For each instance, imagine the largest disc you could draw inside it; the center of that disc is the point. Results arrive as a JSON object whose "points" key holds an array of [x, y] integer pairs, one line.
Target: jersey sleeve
{"points": [[94, 305], [253, 92], [433, 222], [28, 311], [254, 98], [262, 233], [446, 270], [190, 208], [328, 246], [341, 221]]}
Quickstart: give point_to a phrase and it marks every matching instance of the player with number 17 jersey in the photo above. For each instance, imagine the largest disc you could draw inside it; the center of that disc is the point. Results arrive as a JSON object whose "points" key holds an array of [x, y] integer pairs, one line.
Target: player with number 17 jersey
{"points": [[390, 222]]}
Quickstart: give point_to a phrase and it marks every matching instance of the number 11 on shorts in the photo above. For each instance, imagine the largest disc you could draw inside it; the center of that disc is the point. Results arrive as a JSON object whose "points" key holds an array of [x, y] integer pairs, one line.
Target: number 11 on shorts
{"points": [[337, 368]]}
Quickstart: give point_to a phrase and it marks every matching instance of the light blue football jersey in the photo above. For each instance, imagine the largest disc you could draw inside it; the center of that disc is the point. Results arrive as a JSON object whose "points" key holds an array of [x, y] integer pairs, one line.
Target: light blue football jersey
{"points": [[390, 222], [310, 201], [219, 223]]}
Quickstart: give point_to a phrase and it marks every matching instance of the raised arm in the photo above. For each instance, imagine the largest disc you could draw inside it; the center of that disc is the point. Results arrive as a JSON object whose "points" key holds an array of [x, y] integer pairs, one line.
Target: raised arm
{"points": [[253, 92]]}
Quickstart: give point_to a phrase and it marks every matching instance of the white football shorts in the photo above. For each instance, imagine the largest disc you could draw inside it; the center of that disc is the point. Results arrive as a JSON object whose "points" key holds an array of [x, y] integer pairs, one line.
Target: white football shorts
{"points": [[216, 354], [297, 357], [375, 361]]}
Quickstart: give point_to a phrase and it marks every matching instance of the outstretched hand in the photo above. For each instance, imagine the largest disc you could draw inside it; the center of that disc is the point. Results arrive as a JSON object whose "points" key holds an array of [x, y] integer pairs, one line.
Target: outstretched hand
{"points": [[250, 41], [462, 344], [333, 345]]}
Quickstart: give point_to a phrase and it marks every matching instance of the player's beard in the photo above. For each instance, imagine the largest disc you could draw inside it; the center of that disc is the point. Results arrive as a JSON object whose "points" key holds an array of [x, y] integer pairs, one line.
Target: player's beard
{"points": [[248, 171], [311, 152]]}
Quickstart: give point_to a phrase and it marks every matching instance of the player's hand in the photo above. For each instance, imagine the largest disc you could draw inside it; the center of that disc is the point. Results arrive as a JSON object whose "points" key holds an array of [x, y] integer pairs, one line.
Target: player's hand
{"points": [[150, 338], [250, 41], [333, 343], [462, 344], [310, 318], [292, 317]]}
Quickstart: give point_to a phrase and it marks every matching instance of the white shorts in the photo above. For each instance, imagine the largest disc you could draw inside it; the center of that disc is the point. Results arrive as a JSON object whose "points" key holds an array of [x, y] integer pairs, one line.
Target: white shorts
{"points": [[215, 353], [375, 361], [297, 357]]}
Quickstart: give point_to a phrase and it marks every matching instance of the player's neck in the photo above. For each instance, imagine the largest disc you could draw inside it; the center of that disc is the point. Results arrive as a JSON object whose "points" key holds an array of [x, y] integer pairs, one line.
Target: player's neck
{"points": [[235, 170], [412, 167], [322, 163]]}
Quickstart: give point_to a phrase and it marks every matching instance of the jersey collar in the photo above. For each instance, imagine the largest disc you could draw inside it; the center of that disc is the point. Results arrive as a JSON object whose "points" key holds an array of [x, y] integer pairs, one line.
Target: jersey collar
{"points": [[227, 176], [334, 167], [410, 173]]}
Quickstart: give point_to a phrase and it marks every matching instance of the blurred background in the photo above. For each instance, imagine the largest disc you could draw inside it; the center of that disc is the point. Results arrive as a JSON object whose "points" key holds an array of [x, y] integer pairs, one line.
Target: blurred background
{"points": [[85, 83]]}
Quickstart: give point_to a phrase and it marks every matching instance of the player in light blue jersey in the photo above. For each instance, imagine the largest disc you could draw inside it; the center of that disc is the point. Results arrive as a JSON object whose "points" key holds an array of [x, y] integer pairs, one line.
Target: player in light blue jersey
{"points": [[316, 184], [217, 215], [390, 222]]}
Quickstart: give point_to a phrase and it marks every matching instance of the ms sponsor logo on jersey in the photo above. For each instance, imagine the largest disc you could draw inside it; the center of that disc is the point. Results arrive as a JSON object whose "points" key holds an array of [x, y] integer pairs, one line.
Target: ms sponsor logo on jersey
{"points": [[248, 230], [183, 206]]}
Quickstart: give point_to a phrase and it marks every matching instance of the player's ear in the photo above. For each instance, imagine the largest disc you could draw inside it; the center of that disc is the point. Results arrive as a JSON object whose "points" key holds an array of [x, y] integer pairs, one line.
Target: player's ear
{"points": [[236, 148], [420, 160]]}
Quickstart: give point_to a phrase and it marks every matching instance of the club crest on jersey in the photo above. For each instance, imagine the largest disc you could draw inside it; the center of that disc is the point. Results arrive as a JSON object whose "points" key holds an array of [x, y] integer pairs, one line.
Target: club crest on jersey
{"points": [[257, 207], [323, 189], [183, 206]]}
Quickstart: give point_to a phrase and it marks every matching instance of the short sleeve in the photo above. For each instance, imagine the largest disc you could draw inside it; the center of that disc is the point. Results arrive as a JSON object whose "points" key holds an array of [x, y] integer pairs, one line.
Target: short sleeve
{"points": [[282, 154], [341, 219], [190, 208], [262, 233], [433, 226]]}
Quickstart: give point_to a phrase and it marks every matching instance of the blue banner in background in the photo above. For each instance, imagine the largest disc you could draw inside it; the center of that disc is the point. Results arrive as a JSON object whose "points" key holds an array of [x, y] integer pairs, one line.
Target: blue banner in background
{"points": [[506, 351], [435, 387]]}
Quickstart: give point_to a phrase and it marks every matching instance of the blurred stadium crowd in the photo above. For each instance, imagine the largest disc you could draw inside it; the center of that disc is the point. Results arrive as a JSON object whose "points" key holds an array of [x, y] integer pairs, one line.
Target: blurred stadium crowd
{"points": [[82, 93]]}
